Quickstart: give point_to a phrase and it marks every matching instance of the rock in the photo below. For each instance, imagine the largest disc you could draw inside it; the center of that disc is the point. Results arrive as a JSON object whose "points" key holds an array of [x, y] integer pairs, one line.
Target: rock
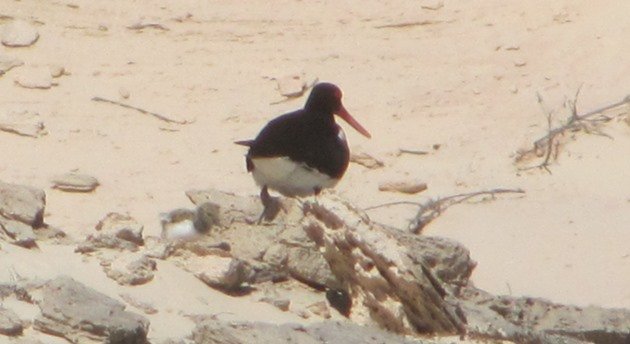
{"points": [[219, 332], [262, 273], [54, 234], [408, 187], [387, 288], [7, 63], [307, 265], [234, 217], [19, 34], [448, 259], [281, 304], [75, 182], [34, 77], [116, 231], [121, 226], [303, 313], [342, 332], [520, 63], [433, 5], [19, 233], [198, 247], [366, 160], [531, 320], [22, 203], [215, 331], [95, 242], [56, 71], [144, 306], [319, 308], [231, 208], [24, 123], [219, 272], [129, 270], [277, 255], [124, 93], [71, 310], [10, 324], [291, 86], [27, 341], [265, 248], [155, 247]]}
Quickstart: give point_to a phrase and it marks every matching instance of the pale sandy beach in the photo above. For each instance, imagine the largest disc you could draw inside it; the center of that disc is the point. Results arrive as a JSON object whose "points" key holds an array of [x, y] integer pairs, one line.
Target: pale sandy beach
{"points": [[459, 82]]}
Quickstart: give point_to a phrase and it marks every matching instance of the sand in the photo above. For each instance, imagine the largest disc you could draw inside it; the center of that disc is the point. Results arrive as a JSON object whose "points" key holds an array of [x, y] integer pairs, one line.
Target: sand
{"points": [[464, 77]]}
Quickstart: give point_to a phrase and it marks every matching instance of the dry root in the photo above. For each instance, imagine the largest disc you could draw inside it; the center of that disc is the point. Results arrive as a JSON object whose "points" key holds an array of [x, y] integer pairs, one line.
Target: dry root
{"points": [[547, 147]]}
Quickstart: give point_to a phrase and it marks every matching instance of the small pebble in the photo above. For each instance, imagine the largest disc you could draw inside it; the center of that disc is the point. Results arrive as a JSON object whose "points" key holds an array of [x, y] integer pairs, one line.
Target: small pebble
{"points": [[7, 63], [320, 308], [520, 63], [291, 86], [57, 71], [24, 123], [281, 304], [75, 182], [408, 187], [366, 160], [19, 34], [34, 77], [432, 4], [124, 93]]}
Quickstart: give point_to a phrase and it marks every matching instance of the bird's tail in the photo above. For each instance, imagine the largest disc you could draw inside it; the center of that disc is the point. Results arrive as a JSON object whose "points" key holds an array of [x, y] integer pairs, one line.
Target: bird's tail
{"points": [[246, 143]]}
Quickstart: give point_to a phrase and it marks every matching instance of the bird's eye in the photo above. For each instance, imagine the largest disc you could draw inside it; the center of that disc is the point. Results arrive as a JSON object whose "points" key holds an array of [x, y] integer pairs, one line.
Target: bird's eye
{"points": [[338, 93]]}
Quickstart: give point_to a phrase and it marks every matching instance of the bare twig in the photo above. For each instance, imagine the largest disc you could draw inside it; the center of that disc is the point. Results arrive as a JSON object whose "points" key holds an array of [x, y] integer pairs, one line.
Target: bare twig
{"points": [[142, 26], [391, 204], [549, 149], [411, 151], [156, 115], [407, 24], [549, 144], [431, 209], [297, 95]]}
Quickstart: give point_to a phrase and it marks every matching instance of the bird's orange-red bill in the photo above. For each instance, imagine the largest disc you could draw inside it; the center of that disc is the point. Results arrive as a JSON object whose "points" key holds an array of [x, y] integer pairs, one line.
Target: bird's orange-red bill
{"points": [[343, 113]]}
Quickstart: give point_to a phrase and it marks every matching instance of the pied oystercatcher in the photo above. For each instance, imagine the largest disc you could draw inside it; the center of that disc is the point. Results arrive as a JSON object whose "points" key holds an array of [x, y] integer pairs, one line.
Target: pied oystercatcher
{"points": [[302, 152]]}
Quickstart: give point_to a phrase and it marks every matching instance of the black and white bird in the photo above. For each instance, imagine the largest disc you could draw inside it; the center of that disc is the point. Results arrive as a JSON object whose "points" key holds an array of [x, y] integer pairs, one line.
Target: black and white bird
{"points": [[302, 152]]}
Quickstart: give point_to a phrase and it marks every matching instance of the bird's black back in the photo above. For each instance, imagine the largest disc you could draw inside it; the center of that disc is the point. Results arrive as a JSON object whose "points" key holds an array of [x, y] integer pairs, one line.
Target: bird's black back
{"points": [[310, 138]]}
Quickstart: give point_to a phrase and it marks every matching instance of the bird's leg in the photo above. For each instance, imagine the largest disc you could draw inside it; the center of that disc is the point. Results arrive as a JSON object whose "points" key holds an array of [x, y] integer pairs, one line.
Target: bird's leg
{"points": [[316, 191], [265, 198], [271, 206]]}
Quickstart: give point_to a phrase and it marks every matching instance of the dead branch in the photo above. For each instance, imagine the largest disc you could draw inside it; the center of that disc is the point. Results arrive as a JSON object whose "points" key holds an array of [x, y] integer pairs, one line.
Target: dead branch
{"points": [[407, 24], [297, 95], [431, 209], [589, 123], [412, 152], [156, 115]]}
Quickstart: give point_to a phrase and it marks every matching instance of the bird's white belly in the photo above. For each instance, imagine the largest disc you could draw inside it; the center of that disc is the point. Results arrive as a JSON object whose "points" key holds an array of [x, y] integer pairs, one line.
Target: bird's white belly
{"points": [[288, 177]]}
